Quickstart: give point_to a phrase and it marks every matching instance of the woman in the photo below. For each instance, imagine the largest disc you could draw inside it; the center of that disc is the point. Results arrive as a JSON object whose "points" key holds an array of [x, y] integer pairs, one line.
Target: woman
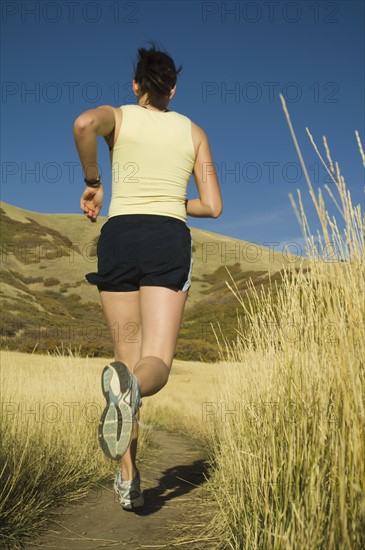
{"points": [[145, 248]]}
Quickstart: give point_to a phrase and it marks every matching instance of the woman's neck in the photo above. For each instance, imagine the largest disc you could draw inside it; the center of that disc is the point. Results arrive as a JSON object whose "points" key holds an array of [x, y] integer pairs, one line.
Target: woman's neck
{"points": [[158, 110]]}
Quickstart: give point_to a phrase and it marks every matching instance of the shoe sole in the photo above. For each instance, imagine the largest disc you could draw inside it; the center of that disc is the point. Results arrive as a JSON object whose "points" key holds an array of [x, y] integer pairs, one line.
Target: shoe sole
{"points": [[116, 422], [138, 503]]}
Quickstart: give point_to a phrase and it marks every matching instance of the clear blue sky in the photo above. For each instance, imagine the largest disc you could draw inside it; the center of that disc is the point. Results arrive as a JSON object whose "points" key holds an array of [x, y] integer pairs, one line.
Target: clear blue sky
{"points": [[61, 58]]}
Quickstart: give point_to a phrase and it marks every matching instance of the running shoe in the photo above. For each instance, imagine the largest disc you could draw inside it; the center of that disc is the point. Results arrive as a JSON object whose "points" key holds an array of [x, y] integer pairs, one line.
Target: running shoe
{"points": [[121, 391], [129, 492]]}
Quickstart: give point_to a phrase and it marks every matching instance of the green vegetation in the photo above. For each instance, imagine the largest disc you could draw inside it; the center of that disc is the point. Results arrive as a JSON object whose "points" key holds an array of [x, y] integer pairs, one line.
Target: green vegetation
{"points": [[30, 242], [37, 320], [45, 320], [43, 313], [51, 281]]}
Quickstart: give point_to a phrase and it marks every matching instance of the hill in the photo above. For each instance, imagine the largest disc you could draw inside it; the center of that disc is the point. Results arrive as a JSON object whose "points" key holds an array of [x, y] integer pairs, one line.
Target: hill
{"points": [[46, 302]]}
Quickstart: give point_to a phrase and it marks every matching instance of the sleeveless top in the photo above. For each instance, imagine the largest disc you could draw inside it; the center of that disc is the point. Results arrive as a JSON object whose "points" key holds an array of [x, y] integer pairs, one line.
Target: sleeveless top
{"points": [[152, 161]]}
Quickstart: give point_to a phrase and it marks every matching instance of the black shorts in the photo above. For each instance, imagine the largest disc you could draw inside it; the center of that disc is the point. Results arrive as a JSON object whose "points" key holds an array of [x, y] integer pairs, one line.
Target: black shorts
{"points": [[143, 250]]}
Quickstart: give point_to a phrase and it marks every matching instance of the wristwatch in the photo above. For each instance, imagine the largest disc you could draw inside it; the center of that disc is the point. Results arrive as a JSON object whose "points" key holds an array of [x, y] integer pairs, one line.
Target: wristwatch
{"points": [[93, 182]]}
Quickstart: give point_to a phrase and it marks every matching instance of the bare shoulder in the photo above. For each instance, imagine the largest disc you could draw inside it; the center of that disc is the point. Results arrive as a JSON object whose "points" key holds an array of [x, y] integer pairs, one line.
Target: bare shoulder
{"points": [[118, 113], [198, 136], [108, 111], [197, 129], [118, 117]]}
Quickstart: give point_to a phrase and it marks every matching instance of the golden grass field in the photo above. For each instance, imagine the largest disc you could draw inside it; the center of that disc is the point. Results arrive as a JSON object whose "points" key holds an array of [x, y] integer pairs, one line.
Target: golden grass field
{"points": [[50, 455], [282, 414]]}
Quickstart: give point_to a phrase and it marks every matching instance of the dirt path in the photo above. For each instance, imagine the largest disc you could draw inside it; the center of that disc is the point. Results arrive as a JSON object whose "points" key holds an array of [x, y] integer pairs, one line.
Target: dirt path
{"points": [[176, 505]]}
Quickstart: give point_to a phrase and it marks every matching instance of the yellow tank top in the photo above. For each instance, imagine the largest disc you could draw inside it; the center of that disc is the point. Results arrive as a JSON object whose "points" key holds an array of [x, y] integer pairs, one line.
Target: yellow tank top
{"points": [[152, 161]]}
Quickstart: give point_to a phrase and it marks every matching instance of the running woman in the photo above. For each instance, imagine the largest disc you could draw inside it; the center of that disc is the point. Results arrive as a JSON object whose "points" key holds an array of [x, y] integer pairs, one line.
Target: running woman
{"points": [[145, 249]]}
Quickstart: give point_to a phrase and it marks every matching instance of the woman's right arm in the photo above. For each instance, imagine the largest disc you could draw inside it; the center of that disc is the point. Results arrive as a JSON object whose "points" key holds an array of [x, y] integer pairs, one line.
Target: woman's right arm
{"points": [[209, 203]]}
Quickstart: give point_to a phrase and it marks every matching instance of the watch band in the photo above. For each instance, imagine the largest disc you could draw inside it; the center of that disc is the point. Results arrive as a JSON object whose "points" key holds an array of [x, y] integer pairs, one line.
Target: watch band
{"points": [[93, 182]]}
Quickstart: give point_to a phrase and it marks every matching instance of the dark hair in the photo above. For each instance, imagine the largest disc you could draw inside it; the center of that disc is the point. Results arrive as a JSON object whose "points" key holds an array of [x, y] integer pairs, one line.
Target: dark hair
{"points": [[156, 75]]}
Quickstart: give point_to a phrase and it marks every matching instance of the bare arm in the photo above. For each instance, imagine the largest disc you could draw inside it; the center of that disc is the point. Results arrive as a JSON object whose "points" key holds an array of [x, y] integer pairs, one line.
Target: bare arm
{"points": [[209, 204], [88, 125], [92, 123]]}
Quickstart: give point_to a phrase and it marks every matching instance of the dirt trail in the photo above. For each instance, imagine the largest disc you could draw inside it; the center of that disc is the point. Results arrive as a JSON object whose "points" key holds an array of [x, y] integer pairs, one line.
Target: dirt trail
{"points": [[176, 503]]}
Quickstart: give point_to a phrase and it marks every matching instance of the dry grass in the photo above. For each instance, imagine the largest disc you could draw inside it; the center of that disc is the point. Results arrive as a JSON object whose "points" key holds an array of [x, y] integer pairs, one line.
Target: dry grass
{"points": [[289, 461], [50, 409], [282, 415], [50, 454]]}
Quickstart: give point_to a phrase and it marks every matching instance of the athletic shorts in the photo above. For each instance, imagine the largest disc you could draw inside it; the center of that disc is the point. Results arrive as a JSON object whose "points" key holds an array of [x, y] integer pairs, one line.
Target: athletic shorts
{"points": [[137, 250]]}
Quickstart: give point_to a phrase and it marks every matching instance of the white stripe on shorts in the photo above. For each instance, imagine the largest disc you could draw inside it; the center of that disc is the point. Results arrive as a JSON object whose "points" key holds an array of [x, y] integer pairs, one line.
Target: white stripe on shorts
{"points": [[188, 282]]}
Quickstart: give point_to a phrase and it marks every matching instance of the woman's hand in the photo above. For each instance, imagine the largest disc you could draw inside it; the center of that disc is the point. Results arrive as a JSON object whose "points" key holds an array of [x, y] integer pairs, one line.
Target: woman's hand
{"points": [[91, 202]]}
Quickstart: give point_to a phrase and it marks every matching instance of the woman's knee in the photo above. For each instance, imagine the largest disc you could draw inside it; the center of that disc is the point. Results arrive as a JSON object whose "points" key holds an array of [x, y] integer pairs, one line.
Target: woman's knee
{"points": [[154, 361]]}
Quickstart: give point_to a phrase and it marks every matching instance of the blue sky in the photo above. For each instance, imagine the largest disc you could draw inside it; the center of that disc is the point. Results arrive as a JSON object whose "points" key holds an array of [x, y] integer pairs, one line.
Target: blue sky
{"points": [[61, 58]]}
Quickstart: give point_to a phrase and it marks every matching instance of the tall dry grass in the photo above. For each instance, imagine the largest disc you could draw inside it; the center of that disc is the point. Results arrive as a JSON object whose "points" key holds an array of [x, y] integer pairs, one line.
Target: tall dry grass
{"points": [[286, 429], [282, 414], [50, 454]]}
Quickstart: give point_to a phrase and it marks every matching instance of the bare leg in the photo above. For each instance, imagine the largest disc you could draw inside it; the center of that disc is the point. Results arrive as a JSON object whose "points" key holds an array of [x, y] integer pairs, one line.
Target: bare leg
{"points": [[147, 323], [161, 311], [122, 314]]}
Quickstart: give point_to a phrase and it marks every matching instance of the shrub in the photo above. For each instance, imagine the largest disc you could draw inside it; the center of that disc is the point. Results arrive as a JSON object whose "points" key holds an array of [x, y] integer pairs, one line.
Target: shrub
{"points": [[51, 281]]}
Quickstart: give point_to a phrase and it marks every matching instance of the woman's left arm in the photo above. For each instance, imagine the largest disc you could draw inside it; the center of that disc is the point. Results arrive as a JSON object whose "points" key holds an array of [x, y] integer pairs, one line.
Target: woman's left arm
{"points": [[88, 125]]}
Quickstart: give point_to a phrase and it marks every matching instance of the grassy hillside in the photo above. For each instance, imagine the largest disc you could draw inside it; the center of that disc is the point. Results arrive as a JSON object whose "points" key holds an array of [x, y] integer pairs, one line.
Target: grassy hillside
{"points": [[47, 303]]}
